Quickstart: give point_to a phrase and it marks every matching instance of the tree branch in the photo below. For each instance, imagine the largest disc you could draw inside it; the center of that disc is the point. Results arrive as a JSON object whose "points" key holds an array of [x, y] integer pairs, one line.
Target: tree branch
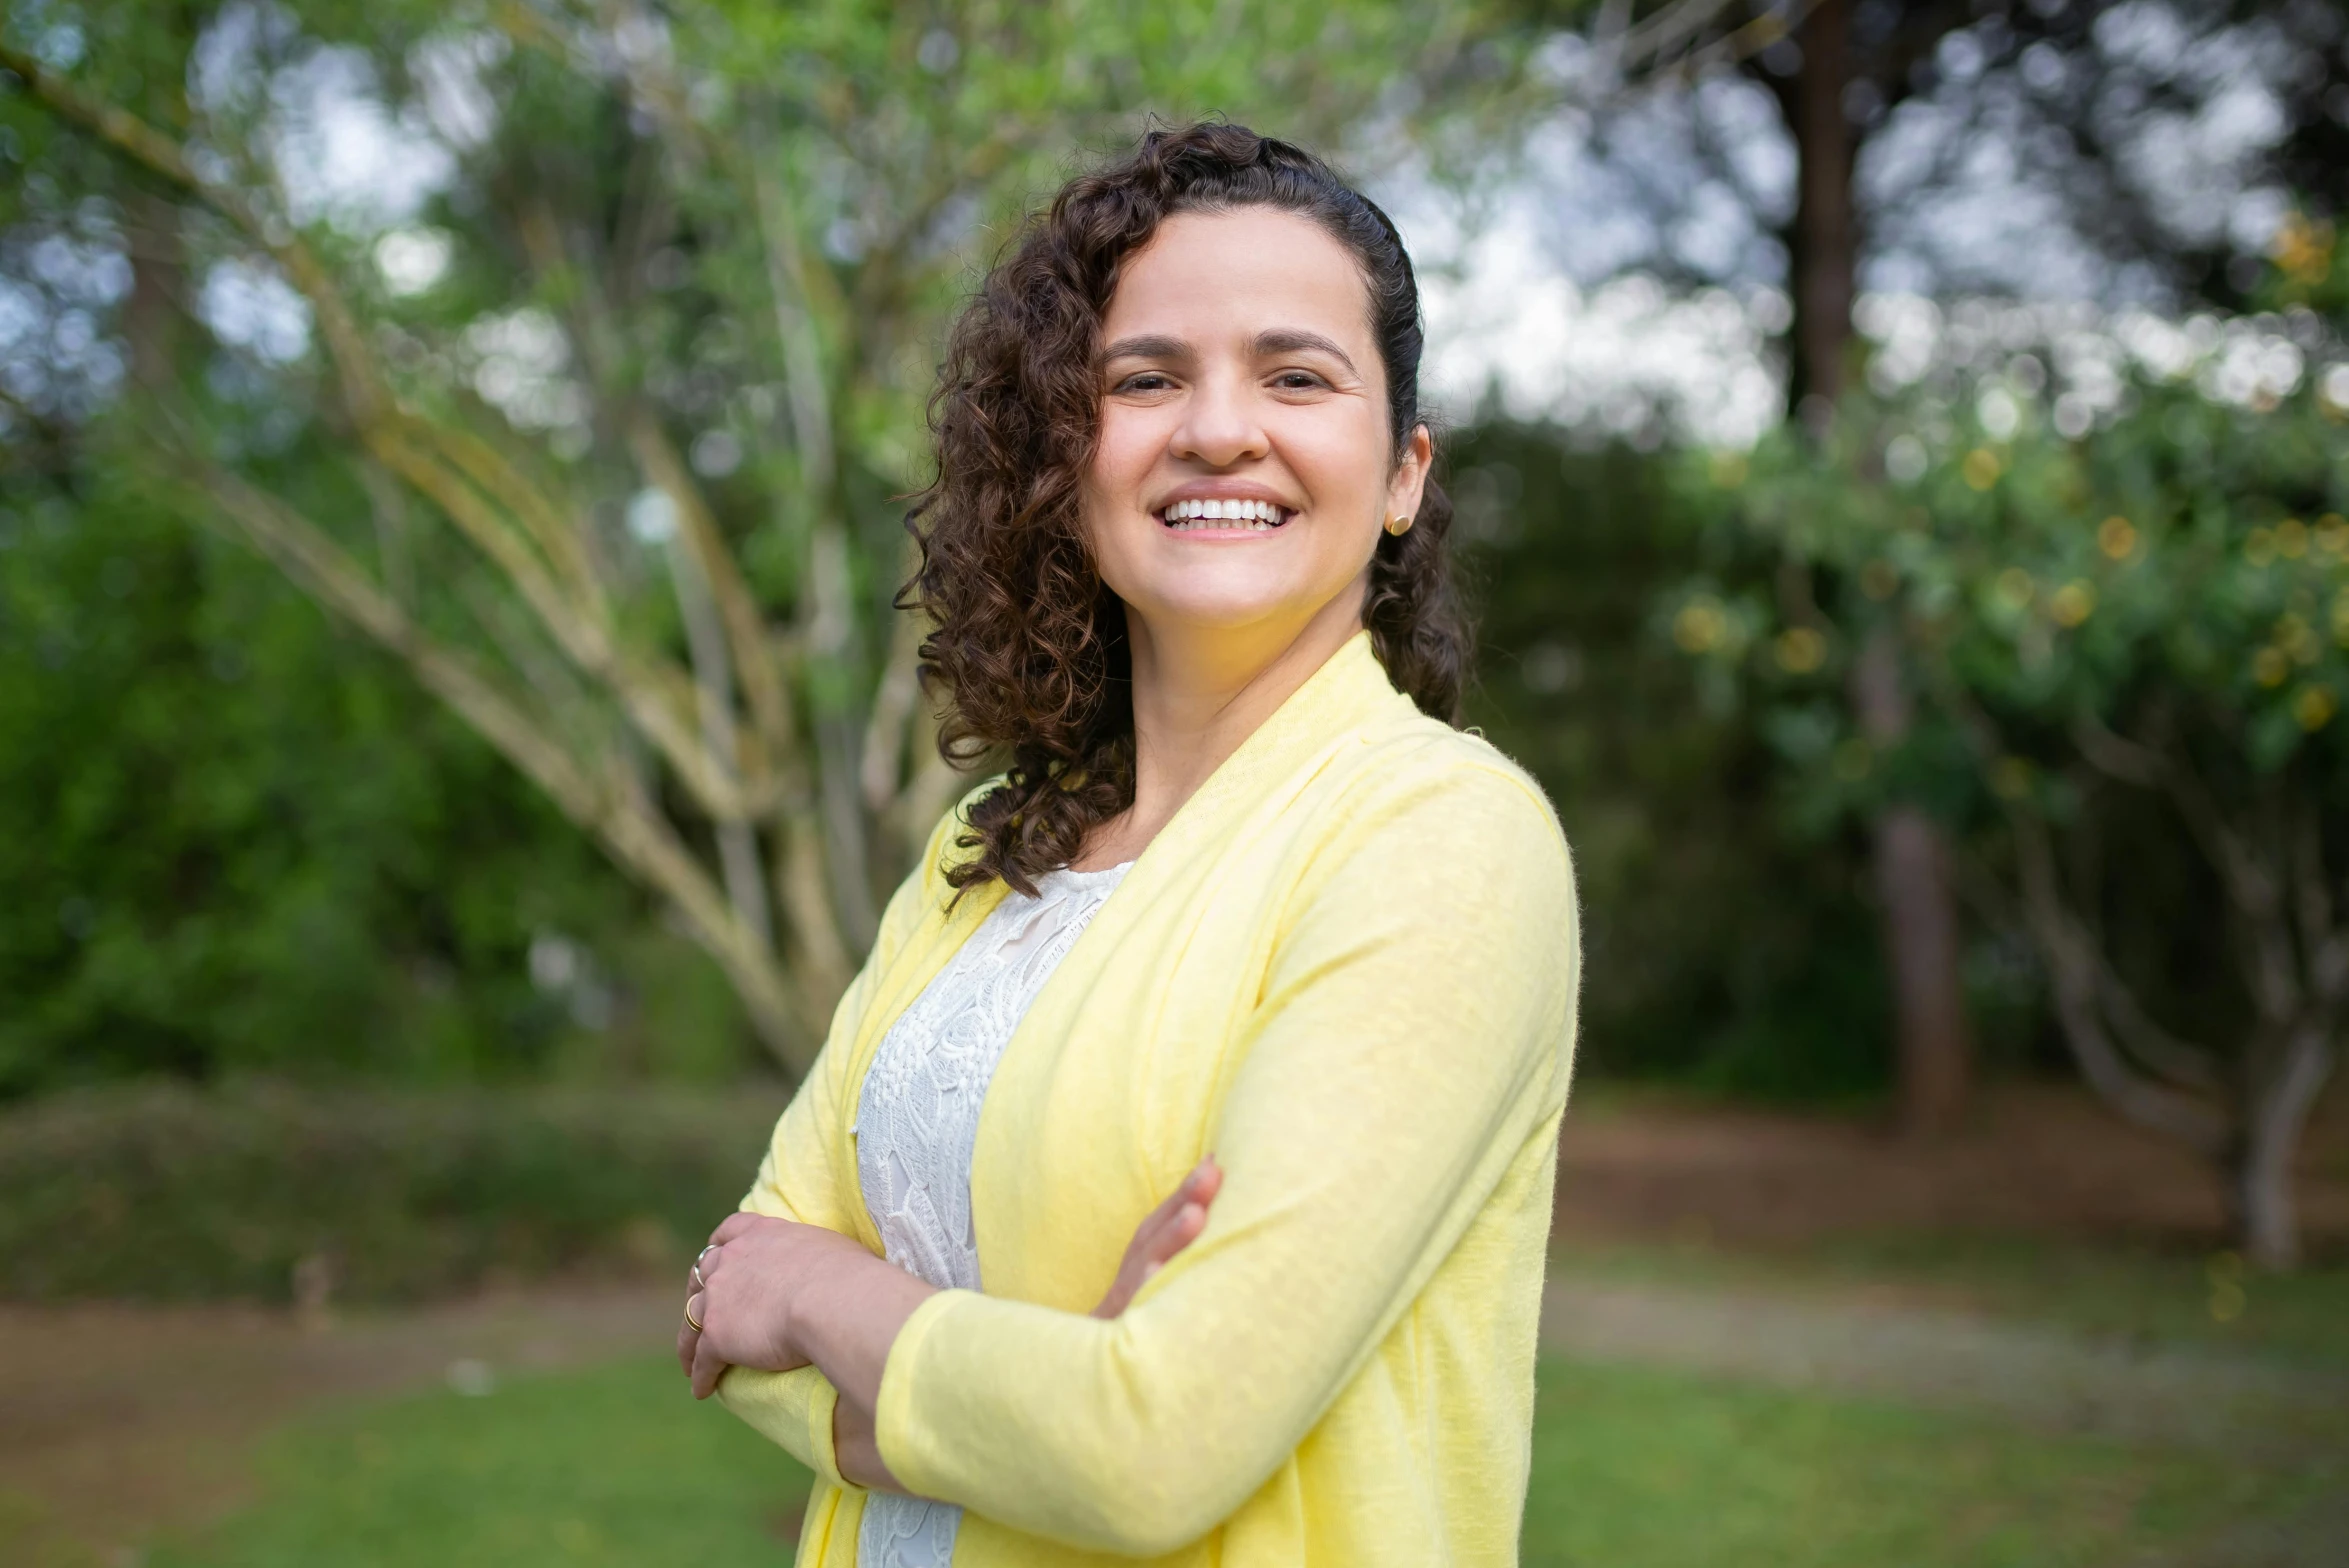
{"points": [[2077, 969], [410, 447], [592, 795]]}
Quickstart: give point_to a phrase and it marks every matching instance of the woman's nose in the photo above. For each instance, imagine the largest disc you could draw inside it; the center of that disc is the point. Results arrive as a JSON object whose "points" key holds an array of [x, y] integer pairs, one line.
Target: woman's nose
{"points": [[1219, 426]]}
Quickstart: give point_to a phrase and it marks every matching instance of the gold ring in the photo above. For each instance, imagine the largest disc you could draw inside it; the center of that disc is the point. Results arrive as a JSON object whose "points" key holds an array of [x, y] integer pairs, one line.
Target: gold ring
{"points": [[691, 1321]]}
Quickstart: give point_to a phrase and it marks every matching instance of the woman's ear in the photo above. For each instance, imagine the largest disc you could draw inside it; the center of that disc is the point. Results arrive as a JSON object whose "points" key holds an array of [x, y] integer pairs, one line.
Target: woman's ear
{"points": [[1410, 480]]}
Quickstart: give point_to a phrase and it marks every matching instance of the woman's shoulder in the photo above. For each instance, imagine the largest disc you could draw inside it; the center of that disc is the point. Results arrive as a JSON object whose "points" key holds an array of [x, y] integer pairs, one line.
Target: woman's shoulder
{"points": [[1413, 757], [1449, 790]]}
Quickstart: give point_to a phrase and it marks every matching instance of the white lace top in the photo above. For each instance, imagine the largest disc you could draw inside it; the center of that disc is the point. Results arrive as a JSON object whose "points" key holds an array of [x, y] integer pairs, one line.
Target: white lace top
{"points": [[917, 1120]]}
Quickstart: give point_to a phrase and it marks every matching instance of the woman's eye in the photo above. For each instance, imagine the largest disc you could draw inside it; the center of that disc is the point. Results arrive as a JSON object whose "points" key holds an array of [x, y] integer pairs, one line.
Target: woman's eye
{"points": [[1296, 381], [1144, 381]]}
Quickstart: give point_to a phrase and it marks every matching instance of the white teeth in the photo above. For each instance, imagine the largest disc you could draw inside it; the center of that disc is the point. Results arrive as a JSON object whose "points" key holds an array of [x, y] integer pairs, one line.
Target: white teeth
{"points": [[1252, 516]]}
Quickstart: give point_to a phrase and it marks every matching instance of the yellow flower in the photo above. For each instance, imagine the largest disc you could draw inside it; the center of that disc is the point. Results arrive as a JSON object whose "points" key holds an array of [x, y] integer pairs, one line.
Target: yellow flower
{"points": [[2015, 587], [2291, 538], [2259, 547], [2313, 706], [2341, 617], [2116, 538], [1800, 650], [1699, 626], [2297, 638], [2073, 603], [1728, 469], [2269, 666], [2303, 249], [2332, 534], [1981, 468]]}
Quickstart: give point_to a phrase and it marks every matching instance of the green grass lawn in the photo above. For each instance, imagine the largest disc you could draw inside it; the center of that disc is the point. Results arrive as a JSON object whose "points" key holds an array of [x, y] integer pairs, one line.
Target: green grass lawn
{"points": [[1639, 1468], [1633, 1468], [612, 1466]]}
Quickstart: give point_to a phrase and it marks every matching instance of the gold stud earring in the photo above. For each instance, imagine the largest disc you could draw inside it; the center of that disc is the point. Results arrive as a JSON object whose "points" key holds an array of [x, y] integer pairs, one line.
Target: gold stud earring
{"points": [[1399, 525]]}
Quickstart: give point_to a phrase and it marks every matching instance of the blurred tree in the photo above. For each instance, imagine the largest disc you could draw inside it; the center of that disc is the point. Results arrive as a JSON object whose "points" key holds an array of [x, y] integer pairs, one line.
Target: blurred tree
{"points": [[244, 842], [573, 353], [2155, 142], [2130, 650], [1723, 952]]}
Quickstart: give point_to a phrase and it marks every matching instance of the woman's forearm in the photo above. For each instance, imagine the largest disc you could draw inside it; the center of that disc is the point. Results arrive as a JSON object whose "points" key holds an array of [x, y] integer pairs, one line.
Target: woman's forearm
{"points": [[856, 1448], [845, 1316]]}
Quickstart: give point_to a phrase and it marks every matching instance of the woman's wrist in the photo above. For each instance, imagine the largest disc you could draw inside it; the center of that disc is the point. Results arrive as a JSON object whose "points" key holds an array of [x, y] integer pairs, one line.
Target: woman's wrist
{"points": [[856, 1448], [845, 1316]]}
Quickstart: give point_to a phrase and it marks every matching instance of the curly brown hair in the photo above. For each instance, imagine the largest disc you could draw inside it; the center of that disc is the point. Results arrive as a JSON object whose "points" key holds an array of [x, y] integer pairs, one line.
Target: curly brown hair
{"points": [[1028, 650]]}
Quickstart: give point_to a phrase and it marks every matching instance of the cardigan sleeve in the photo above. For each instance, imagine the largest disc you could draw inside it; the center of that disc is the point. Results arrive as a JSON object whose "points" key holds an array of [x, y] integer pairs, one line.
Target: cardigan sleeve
{"points": [[1414, 1034], [799, 1178]]}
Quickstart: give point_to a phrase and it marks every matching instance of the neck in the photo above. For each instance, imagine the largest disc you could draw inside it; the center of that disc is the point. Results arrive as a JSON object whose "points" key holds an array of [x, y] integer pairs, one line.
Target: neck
{"points": [[1199, 693]]}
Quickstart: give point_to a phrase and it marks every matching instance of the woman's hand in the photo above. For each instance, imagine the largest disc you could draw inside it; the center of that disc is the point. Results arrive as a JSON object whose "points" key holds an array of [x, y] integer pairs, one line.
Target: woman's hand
{"points": [[1164, 1231], [758, 1274], [747, 1283]]}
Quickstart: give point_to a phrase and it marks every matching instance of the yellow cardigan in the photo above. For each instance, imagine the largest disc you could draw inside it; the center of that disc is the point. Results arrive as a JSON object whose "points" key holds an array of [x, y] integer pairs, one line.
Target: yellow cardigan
{"points": [[1348, 968]]}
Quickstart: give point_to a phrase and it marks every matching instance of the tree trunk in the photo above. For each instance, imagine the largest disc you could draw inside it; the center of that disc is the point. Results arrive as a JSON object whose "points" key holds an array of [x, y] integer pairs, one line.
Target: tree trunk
{"points": [[1918, 907], [1921, 938], [2267, 1222], [1915, 895], [1822, 244]]}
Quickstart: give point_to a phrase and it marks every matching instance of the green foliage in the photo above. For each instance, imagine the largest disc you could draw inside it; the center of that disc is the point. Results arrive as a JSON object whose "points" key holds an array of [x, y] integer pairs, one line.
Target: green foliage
{"points": [[1722, 949], [164, 1193], [2189, 553], [2078, 621], [244, 840]]}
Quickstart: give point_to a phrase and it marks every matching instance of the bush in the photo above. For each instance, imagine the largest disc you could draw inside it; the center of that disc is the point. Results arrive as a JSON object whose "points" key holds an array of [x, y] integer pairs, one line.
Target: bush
{"points": [[1723, 949], [240, 841], [173, 1193]]}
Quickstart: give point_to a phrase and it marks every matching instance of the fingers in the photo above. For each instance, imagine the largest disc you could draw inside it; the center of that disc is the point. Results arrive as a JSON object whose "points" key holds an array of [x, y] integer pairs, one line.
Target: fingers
{"points": [[734, 1225], [706, 1367], [1177, 1222], [1163, 1233], [689, 1337]]}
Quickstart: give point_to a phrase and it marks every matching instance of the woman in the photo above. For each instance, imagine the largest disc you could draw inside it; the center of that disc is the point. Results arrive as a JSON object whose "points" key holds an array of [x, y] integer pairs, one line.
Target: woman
{"points": [[1186, 567]]}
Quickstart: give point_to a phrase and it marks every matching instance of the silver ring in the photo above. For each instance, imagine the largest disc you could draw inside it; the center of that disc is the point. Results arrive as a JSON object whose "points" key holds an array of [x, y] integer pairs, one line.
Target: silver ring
{"points": [[700, 1283]]}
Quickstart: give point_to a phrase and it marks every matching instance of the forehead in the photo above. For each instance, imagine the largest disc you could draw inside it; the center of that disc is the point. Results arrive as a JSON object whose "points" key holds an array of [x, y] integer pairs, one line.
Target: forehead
{"points": [[1210, 276]]}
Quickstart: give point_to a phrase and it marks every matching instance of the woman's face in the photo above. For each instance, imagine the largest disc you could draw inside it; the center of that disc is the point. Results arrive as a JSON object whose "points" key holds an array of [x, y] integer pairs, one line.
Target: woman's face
{"points": [[1244, 467]]}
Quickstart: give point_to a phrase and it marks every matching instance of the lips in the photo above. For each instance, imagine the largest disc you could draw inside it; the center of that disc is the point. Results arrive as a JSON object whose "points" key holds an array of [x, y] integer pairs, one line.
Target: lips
{"points": [[1210, 514]]}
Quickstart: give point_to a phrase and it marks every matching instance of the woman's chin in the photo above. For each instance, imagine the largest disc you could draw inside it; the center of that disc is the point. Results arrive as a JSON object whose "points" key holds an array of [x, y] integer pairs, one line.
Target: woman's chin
{"points": [[1204, 604]]}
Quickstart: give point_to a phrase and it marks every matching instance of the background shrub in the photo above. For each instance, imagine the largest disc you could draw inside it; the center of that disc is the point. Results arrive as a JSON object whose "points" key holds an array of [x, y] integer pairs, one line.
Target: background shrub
{"points": [[167, 1192]]}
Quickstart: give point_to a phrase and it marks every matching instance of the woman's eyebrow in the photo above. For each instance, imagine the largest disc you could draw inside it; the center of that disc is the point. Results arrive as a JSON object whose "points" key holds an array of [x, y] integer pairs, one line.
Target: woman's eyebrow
{"points": [[1148, 347], [1295, 340]]}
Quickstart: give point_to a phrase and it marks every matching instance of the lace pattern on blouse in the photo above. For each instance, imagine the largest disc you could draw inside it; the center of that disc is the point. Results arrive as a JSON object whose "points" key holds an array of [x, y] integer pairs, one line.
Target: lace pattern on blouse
{"points": [[917, 1121]]}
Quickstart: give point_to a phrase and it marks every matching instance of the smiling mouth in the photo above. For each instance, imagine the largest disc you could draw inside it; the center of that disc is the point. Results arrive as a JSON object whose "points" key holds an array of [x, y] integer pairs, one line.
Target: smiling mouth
{"points": [[1260, 517]]}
